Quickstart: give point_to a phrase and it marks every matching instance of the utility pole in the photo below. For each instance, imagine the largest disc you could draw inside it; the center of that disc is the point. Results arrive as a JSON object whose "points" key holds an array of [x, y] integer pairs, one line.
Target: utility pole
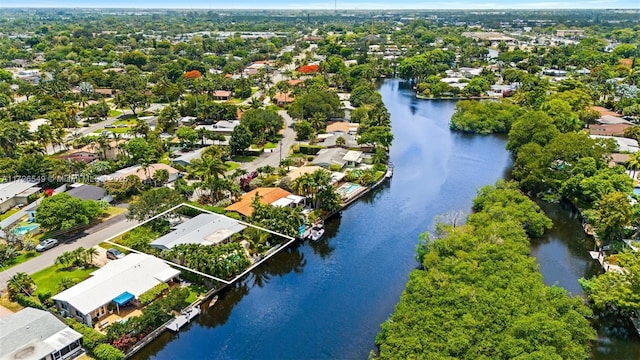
{"points": [[280, 151]]}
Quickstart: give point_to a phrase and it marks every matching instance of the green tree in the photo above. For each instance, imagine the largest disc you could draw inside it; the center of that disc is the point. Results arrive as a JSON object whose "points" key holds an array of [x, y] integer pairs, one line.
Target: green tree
{"points": [[536, 127], [612, 214], [152, 202], [20, 284], [64, 212], [241, 139]]}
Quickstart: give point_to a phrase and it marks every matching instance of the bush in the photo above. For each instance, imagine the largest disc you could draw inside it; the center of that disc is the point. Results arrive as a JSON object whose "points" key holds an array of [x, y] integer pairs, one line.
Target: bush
{"points": [[335, 167], [107, 352], [90, 337], [309, 149], [27, 301], [152, 293]]}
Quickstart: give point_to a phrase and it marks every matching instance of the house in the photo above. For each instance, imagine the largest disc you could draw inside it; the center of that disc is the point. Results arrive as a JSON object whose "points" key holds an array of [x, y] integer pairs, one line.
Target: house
{"points": [[222, 127], [116, 284], [80, 155], [284, 98], [145, 174], [608, 129], [604, 111], [89, 192], [37, 334], [222, 95], [204, 229], [35, 124], [624, 144], [570, 33], [111, 150], [327, 157], [104, 92], [618, 159], [296, 172], [352, 158], [16, 192], [296, 82], [267, 196], [185, 158], [610, 119], [342, 127]]}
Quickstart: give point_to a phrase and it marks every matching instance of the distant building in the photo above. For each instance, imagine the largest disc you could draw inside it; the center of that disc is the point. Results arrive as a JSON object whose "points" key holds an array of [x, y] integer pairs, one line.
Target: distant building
{"points": [[204, 229], [36, 334], [267, 197], [608, 129], [16, 192], [570, 33], [89, 192], [624, 144], [145, 174]]}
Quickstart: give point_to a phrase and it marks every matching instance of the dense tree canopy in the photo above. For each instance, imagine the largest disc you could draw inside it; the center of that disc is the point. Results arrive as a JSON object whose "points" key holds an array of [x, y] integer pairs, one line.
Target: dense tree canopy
{"points": [[479, 294]]}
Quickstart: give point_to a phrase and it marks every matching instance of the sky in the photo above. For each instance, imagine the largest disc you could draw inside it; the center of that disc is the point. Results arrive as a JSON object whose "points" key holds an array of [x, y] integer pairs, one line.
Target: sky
{"points": [[328, 4]]}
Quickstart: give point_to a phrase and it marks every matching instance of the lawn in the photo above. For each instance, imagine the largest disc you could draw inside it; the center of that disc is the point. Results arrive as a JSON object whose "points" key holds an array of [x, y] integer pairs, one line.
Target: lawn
{"points": [[24, 256], [231, 165], [270, 145], [114, 113], [243, 158], [194, 292], [9, 213], [106, 245], [235, 101], [112, 212], [129, 122], [48, 280]]}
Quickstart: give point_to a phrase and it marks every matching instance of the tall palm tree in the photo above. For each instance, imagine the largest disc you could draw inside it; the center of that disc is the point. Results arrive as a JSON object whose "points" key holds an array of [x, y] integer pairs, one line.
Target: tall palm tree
{"points": [[209, 170]]}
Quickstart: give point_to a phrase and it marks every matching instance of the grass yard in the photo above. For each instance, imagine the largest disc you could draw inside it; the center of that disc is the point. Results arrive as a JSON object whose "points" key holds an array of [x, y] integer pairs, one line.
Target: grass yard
{"points": [[129, 122], [9, 213], [113, 130], [24, 256], [231, 165], [114, 113], [112, 212], [270, 145], [108, 246], [13, 306], [234, 101], [194, 292], [49, 279], [243, 158]]}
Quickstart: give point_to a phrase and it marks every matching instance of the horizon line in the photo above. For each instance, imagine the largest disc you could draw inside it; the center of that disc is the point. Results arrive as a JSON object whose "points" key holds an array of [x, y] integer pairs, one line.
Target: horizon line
{"points": [[310, 9]]}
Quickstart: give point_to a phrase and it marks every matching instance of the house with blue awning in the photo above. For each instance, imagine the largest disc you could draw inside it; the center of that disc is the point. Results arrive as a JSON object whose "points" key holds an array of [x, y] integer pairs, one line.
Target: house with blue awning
{"points": [[119, 283]]}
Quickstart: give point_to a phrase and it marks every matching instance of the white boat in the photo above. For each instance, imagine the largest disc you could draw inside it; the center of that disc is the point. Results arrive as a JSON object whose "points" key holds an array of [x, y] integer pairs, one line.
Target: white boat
{"points": [[316, 232]]}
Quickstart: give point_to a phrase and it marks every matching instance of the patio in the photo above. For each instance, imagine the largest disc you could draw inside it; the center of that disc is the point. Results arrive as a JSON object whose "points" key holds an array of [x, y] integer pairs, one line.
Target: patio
{"points": [[125, 313]]}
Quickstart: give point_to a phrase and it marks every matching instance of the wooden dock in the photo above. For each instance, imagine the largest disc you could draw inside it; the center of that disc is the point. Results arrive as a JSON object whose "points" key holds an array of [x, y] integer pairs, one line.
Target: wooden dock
{"points": [[606, 266], [184, 318]]}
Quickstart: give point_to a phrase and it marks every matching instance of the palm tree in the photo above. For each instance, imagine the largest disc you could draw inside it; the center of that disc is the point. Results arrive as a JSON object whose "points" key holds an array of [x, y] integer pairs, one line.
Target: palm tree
{"points": [[141, 127], [90, 254], [634, 163], [20, 283], [209, 170]]}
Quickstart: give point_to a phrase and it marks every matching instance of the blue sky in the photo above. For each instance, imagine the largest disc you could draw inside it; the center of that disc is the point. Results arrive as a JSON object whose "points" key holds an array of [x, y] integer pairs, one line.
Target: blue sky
{"points": [[328, 4]]}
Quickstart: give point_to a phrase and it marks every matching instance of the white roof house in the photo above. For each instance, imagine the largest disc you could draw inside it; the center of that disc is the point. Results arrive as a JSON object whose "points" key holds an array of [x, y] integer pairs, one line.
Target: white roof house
{"points": [[35, 124], [15, 192], [289, 200], [624, 144], [130, 276], [204, 229], [352, 156], [36, 334]]}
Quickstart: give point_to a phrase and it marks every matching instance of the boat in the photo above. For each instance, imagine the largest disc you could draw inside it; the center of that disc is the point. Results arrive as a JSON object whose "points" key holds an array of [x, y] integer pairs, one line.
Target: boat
{"points": [[316, 232]]}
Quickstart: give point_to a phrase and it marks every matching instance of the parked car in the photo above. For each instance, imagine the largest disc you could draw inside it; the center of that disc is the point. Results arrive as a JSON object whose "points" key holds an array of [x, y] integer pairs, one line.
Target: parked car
{"points": [[46, 244], [114, 254]]}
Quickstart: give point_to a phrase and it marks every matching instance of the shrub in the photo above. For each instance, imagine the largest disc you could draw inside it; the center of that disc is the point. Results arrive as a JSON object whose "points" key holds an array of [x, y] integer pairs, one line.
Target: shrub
{"points": [[309, 149], [107, 352], [90, 337], [151, 294], [335, 167], [27, 301]]}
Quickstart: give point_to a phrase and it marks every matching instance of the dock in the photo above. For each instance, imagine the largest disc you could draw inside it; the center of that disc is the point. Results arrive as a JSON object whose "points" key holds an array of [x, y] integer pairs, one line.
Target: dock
{"points": [[606, 266], [184, 318]]}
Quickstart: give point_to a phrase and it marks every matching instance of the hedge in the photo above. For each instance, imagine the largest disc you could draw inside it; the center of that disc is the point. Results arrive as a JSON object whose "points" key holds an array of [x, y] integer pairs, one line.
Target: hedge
{"points": [[309, 149], [151, 294], [107, 352], [90, 337]]}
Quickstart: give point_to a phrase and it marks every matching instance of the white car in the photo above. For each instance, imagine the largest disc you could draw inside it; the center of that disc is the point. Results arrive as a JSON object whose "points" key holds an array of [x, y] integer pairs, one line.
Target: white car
{"points": [[46, 244]]}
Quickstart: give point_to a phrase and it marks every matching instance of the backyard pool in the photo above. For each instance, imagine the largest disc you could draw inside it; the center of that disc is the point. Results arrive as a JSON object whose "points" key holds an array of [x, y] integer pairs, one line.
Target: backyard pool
{"points": [[24, 229]]}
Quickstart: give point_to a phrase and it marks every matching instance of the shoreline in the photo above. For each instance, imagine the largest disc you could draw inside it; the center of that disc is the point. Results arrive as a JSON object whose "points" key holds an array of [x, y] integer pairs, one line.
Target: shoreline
{"points": [[216, 290]]}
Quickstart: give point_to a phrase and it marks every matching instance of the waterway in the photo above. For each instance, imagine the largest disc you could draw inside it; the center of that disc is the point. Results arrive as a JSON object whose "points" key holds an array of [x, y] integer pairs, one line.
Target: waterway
{"points": [[326, 300]]}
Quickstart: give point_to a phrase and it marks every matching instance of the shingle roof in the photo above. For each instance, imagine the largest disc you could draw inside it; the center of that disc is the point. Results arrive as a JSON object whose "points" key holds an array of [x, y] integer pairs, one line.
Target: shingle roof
{"points": [[87, 192], [267, 196], [33, 332]]}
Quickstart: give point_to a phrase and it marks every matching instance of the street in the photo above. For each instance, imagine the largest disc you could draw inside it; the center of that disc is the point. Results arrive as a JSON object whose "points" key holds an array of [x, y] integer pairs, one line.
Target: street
{"points": [[48, 257], [273, 158]]}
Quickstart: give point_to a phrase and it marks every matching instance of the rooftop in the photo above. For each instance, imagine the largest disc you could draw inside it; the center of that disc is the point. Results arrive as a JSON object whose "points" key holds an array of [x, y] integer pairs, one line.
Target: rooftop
{"points": [[138, 171], [87, 192], [187, 157], [135, 273], [204, 229], [33, 334], [267, 196], [327, 157], [11, 189], [624, 144]]}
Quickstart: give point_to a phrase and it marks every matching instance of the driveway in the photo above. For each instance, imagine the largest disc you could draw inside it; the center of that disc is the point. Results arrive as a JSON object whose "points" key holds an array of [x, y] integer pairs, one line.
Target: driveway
{"points": [[93, 236]]}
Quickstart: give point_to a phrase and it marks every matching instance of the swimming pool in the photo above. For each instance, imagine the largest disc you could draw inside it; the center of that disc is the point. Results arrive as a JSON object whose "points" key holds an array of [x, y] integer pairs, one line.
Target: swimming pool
{"points": [[21, 230], [351, 188], [636, 191]]}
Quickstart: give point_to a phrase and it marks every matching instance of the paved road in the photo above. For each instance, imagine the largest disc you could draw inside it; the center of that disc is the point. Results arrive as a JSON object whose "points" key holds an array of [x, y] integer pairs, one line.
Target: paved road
{"points": [[273, 158], [96, 235]]}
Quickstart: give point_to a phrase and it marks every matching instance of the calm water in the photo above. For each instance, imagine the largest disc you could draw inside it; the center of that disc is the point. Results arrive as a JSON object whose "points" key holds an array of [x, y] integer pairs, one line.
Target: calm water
{"points": [[327, 300]]}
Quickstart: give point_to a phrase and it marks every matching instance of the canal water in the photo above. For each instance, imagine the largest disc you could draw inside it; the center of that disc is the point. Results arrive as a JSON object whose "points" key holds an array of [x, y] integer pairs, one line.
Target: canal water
{"points": [[326, 300]]}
